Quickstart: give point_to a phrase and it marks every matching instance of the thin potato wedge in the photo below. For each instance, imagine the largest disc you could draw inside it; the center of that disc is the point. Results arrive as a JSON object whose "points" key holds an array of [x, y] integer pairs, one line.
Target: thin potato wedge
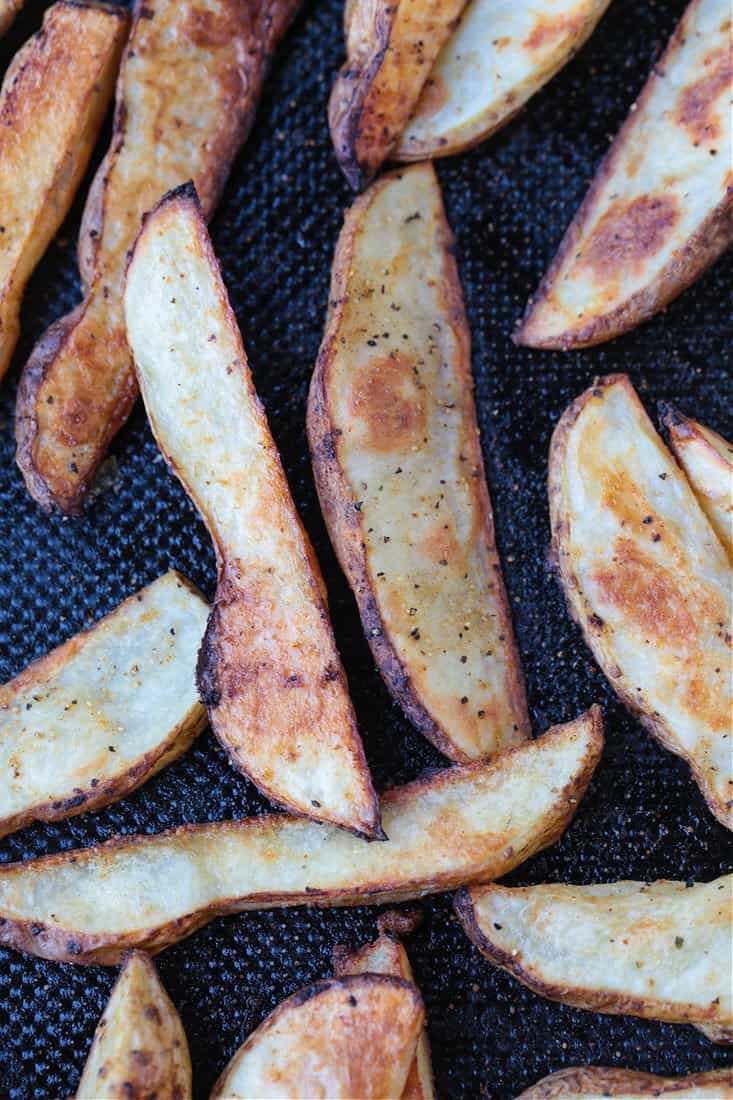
{"points": [[139, 1049], [399, 471], [707, 459], [659, 950], [269, 671], [466, 824], [338, 1039], [646, 579], [386, 955], [189, 84], [660, 209], [53, 99], [390, 46], [598, 1082], [501, 53], [104, 712]]}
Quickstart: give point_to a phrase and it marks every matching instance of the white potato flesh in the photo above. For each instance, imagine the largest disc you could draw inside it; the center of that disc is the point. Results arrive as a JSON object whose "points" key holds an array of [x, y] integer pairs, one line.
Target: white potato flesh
{"points": [[707, 459]]}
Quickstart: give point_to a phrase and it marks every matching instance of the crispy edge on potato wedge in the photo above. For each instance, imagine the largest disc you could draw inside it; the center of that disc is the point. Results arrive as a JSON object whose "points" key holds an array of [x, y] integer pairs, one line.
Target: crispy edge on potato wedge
{"points": [[188, 88], [269, 671], [466, 824], [54, 97], [101, 714], [660, 209], [598, 1082], [139, 1049], [659, 950], [390, 47], [500, 54], [707, 459], [342, 1038], [646, 579], [399, 471], [386, 955]]}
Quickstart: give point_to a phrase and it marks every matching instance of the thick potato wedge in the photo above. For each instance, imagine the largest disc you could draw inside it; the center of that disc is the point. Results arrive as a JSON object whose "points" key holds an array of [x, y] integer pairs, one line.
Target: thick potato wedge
{"points": [[501, 53], [98, 716], [390, 47], [707, 459], [139, 1049], [339, 1039], [189, 84], [399, 471], [659, 950], [52, 103], [386, 955], [462, 825], [646, 579], [598, 1082], [660, 209], [269, 671]]}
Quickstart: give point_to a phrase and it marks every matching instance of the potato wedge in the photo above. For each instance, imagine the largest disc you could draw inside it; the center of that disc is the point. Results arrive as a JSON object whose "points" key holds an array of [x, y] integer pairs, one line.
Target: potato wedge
{"points": [[342, 1038], [660, 209], [269, 671], [390, 47], [104, 712], [189, 84], [598, 1082], [53, 99], [646, 579], [8, 11], [500, 54], [386, 955], [659, 950], [707, 459], [466, 824], [139, 1049], [399, 471]]}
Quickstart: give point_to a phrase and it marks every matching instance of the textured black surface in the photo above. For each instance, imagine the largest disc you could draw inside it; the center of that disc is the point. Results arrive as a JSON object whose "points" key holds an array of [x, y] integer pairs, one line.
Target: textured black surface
{"points": [[509, 202]]}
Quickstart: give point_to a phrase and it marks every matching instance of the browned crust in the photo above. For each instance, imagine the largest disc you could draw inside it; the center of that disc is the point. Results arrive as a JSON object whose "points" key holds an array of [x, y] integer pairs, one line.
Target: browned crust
{"points": [[619, 1082], [338, 502]]}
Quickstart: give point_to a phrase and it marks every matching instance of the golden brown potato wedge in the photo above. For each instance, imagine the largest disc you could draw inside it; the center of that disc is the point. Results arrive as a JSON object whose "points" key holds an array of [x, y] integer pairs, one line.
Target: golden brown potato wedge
{"points": [[269, 671], [660, 209], [139, 1050], [659, 950], [8, 11], [390, 47], [189, 84], [386, 955], [52, 103], [339, 1039], [707, 459], [470, 823], [104, 712], [399, 471], [598, 1082], [646, 579], [500, 54]]}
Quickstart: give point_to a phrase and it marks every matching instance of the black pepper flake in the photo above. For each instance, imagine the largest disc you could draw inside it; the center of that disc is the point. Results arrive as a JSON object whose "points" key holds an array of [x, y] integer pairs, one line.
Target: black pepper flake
{"points": [[648, 519], [678, 941], [415, 634]]}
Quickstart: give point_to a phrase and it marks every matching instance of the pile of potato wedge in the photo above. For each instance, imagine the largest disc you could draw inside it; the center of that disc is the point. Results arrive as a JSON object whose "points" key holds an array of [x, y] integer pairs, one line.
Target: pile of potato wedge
{"points": [[641, 533]]}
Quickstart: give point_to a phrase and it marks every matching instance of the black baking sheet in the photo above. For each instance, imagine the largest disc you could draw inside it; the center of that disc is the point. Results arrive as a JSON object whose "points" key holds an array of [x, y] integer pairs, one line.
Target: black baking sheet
{"points": [[508, 202]]}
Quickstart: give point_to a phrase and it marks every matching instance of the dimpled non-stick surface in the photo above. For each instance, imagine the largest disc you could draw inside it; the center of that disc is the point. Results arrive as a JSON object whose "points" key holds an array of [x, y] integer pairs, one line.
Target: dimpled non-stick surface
{"points": [[508, 202]]}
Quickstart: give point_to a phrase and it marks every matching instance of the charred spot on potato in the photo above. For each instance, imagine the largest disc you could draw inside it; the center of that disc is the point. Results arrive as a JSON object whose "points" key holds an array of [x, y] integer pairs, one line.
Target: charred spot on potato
{"points": [[629, 234]]}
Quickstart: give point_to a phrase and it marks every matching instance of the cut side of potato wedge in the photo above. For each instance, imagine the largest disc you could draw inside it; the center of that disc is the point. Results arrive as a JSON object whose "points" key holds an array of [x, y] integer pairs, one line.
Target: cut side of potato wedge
{"points": [[341, 1038], [53, 100], [189, 84], [598, 1082], [390, 46], [501, 53], [466, 824], [139, 1049], [707, 459], [98, 716], [646, 579], [399, 471], [269, 671], [659, 950], [660, 209]]}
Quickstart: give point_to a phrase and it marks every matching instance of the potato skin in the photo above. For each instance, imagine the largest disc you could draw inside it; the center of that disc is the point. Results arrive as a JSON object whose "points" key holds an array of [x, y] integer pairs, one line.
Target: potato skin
{"points": [[595, 1081]]}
